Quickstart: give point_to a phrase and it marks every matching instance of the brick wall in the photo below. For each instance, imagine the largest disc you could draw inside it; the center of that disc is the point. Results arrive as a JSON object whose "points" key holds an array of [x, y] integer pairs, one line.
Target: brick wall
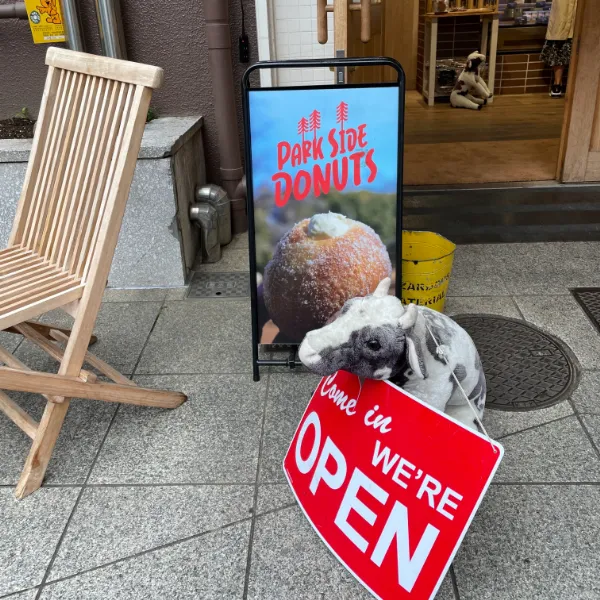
{"points": [[457, 38], [522, 74]]}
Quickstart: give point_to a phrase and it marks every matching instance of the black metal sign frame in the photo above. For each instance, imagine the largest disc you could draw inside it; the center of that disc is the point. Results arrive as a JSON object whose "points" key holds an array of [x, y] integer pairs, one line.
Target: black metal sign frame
{"points": [[336, 63]]}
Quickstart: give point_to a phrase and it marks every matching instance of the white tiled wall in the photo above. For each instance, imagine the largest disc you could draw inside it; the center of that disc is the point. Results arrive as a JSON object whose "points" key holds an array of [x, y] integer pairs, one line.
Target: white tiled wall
{"points": [[266, 39], [295, 28]]}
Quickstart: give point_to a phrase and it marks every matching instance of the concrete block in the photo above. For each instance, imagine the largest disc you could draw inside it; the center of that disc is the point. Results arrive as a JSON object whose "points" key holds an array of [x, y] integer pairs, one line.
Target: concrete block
{"points": [[155, 235]]}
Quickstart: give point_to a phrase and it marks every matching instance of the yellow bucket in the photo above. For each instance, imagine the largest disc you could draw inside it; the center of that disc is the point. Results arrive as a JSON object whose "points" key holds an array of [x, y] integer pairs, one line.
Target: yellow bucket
{"points": [[426, 266]]}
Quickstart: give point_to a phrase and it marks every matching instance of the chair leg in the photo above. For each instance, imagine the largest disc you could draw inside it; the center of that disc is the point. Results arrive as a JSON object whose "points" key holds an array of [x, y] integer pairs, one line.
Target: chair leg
{"points": [[45, 330], [41, 449]]}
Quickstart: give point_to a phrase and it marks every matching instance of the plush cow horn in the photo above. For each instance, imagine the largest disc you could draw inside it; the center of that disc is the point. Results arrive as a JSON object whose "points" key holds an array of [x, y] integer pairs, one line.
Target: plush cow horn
{"points": [[409, 318], [383, 288]]}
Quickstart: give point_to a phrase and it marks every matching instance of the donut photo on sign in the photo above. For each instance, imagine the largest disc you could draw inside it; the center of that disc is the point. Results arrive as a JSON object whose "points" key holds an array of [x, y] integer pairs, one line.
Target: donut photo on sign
{"points": [[324, 178]]}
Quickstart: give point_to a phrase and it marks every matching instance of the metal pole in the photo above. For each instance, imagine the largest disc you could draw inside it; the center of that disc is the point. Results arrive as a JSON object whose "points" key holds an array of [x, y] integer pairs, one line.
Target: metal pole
{"points": [[218, 39], [13, 11], [110, 26], [72, 25]]}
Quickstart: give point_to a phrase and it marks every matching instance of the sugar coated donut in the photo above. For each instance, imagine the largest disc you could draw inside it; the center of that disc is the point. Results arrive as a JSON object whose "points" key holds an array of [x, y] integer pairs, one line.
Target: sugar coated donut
{"points": [[317, 266]]}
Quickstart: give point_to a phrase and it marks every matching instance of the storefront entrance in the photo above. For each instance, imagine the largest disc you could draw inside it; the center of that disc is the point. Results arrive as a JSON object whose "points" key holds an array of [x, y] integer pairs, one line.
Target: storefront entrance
{"points": [[516, 137]]}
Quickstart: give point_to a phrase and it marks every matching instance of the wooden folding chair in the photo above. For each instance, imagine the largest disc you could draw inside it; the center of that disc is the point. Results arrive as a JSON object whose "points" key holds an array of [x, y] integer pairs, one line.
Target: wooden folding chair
{"points": [[63, 239]]}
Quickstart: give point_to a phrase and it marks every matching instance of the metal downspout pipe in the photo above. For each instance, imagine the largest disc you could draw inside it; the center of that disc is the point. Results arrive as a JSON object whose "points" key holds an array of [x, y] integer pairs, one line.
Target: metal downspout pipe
{"points": [[218, 37], [13, 11], [110, 27], [72, 25]]}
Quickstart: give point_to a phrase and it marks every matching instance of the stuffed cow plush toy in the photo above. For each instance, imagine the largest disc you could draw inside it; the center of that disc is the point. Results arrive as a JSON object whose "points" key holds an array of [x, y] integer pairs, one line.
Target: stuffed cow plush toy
{"points": [[471, 90], [376, 337]]}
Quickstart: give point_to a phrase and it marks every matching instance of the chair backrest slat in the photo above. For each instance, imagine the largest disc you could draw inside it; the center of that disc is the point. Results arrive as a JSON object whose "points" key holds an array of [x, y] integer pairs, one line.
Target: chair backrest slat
{"points": [[93, 227], [42, 178], [75, 172]]}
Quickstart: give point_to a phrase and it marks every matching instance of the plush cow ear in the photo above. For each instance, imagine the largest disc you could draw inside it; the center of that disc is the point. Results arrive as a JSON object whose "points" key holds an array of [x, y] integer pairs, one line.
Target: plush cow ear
{"points": [[383, 288], [415, 356], [469, 64], [409, 318]]}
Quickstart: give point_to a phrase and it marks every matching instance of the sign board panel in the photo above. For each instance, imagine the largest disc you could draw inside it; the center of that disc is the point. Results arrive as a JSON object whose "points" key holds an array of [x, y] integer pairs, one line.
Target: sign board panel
{"points": [[45, 21], [324, 182], [389, 483]]}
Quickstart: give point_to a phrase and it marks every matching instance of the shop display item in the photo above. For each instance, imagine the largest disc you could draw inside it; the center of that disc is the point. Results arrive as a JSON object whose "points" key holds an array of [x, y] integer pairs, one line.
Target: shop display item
{"points": [[423, 351], [471, 90], [446, 74], [318, 265], [509, 11], [458, 5]]}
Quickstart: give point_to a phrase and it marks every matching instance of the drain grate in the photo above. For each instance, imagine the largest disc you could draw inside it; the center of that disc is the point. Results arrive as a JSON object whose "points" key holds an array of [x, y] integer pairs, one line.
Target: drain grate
{"points": [[219, 285], [589, 300], [525, 367]]}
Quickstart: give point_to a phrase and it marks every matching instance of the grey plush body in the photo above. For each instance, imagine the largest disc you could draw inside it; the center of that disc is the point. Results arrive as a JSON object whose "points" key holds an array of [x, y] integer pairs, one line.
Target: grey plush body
{"points": [[377, 337]]}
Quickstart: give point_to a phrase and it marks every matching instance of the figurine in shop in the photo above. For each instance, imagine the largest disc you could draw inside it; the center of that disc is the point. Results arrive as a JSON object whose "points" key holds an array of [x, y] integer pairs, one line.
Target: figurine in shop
{"points": [[422, 351], [556, 52], [471, 90]]}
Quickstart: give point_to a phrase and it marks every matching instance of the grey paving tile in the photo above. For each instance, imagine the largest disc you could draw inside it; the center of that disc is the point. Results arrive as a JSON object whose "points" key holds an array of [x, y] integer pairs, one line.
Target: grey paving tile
{"points": [[84, 427], [557, 452], [200, 336], [288, 397], [232, 260], [213, 437], [494, 305], [116, 522], [135, 295], [499, 423], [562, 316], [592, 423], [446, 591], [9, 341], [475, 272], [586, 397], [548, 268], [210, 567], [26, 595], [273, 496], [177, 293], [239, 242], [290, 561], [30, 530], [121, 328], [532, 542]]}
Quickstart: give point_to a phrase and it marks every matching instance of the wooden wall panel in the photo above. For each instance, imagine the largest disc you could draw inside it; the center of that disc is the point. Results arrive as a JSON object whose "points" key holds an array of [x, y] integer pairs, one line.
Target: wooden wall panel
{"points": [[595, 141], [582, 98], [401, 20]]}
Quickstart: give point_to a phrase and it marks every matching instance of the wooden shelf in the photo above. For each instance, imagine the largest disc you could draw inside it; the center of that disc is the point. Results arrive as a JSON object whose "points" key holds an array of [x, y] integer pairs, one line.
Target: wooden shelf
{"points": [[462, 13]]}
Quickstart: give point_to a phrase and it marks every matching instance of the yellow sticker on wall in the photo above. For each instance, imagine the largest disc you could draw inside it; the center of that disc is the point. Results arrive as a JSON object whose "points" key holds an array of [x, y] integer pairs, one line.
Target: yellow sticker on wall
{"points": [[45, 20]]}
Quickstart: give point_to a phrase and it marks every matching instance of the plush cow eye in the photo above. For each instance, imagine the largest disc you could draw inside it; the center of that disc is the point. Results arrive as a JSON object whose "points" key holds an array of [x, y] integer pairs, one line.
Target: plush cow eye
{"points": [[373, 345]]}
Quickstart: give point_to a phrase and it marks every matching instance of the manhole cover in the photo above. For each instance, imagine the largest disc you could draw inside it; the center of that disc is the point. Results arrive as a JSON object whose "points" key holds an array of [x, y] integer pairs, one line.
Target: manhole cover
{"points": [[589, 300], [525, 368], [219, 285]]}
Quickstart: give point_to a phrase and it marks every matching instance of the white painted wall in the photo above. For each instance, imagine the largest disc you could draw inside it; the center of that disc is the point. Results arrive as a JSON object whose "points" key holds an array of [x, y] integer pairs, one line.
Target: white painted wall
{"points": [[294, 24], [287, 29], [266, 39]]}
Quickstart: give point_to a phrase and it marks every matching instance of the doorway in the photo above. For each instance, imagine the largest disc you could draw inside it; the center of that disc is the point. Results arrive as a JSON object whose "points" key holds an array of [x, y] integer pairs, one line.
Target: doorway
{"points": [[514, 138]]}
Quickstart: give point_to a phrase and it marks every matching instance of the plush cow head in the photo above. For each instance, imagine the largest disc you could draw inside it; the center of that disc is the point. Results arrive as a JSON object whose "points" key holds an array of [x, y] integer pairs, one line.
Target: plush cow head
{"points": [[475, 61], [370, 337]]}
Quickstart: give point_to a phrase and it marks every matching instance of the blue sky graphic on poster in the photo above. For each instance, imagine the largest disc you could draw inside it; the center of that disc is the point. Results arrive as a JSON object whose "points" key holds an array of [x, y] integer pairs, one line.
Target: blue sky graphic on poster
{"points": [[275, 116], [315, 152]]}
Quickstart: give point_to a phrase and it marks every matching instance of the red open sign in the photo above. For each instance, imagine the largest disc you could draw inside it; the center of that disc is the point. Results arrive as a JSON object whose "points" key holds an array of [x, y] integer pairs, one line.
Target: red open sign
{"points": [[390, 484]]}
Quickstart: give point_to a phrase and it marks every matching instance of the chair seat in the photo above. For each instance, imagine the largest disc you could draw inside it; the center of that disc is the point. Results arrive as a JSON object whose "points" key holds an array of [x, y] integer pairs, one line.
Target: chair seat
{"points": [[30, 286]]}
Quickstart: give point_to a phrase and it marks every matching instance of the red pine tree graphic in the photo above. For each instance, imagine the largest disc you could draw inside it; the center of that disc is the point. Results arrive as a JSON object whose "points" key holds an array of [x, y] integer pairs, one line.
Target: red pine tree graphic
{"points": [[342, 114], [302, 127], [315, 121]]}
